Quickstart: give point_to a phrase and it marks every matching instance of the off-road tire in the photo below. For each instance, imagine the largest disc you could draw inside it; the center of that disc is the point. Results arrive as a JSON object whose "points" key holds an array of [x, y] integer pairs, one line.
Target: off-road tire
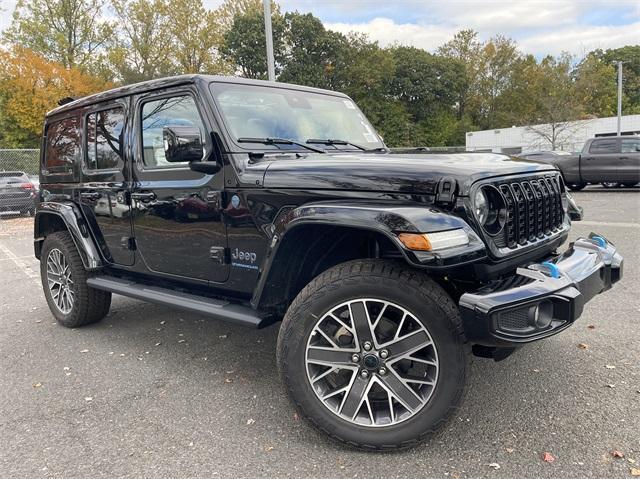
{"points": [[90, 305], [391, 281]]}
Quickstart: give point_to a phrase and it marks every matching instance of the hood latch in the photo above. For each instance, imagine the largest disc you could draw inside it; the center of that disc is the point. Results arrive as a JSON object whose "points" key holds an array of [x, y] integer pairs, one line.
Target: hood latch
{"points": [[446, 190]]}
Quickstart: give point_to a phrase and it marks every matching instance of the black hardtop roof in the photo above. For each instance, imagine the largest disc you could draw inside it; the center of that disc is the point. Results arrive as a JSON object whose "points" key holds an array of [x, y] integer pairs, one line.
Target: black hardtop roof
{"points": [[168, 82]]}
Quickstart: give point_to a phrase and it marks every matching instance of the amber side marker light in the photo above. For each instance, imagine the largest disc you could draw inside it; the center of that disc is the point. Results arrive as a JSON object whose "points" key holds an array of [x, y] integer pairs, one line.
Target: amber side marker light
{"points": [[434, 241]]}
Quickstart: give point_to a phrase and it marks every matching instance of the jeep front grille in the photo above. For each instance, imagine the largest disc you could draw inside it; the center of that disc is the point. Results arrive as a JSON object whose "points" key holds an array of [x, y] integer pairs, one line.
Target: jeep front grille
{"points": [[534, 210]]}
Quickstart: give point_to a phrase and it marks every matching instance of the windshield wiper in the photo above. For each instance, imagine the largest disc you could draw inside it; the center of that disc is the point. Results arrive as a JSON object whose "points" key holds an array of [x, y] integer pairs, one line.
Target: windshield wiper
{"points": [[279, 141], [335, 142]]}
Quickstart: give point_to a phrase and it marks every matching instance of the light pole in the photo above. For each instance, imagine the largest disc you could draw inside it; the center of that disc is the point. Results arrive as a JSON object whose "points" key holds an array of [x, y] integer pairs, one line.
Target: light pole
{"points": [[269, 34], [619, 97]]}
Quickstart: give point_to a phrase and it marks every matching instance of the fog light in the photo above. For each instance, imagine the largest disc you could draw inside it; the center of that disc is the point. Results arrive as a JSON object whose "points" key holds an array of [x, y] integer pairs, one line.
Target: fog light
{"points": [[541, 315]]}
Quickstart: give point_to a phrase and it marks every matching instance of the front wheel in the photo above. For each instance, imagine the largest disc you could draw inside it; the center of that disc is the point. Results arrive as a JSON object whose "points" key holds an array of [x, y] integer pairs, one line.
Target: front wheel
{"points": [[576, 186], [610, 184], [371, 352]]}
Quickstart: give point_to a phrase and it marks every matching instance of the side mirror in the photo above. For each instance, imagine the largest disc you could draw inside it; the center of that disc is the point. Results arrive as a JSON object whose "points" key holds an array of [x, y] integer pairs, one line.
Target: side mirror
{"points": [[182, 144]]}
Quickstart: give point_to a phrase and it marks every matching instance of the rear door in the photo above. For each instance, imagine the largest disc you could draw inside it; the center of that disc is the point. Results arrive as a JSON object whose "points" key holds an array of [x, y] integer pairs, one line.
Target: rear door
{"points": [[602, 161], [630, 160], [178, 221], [104, 191]]}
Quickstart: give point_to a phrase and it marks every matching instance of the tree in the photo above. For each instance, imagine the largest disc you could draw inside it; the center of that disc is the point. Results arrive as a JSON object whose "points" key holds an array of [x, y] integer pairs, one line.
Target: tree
{"points": [[72, 33], [195, 38], [595, 84], [311, 53], [245, 44], [630, 55], [143, 40], [557, 106], [29, 87], [227, 12]]}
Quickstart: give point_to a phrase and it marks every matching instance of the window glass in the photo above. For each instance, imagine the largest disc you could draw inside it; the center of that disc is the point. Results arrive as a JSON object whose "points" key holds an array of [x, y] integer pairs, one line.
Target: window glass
{"points": [[63, 144], [630, 145], [104, 139], [603, 146], [166, 112], [262, 112]]}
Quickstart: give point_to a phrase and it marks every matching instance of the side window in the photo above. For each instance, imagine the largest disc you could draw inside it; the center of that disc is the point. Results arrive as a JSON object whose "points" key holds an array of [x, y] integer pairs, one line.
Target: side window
{"points": [[104, 139], [166, 112], [63, 145], [603, 146], [630, 145]]}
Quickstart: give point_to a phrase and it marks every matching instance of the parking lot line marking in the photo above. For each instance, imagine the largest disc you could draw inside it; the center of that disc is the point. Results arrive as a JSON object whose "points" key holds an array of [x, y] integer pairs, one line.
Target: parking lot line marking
{"points": [[17, 260], [607, 223]]}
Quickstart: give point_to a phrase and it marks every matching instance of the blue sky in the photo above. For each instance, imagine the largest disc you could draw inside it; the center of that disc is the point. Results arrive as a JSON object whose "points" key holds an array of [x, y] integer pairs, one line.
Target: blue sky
{"points": [[540, 26]]}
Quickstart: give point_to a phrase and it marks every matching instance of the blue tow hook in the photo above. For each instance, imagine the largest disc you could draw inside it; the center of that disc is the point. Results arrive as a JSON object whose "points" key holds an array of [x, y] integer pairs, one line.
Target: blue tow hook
{"points": [[600, 240], [554, 271]]}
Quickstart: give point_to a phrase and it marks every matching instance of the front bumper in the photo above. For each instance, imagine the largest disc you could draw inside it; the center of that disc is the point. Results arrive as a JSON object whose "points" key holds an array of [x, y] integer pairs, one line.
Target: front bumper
{"points": [[549, 297]]}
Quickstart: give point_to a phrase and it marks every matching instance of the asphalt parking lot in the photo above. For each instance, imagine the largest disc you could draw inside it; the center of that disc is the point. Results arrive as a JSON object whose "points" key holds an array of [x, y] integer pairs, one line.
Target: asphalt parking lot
{"points": [[154, 392]]}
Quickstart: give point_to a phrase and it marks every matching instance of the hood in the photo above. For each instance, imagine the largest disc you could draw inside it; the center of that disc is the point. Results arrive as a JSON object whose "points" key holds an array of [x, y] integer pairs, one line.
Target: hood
{"points": [[408, 173]]}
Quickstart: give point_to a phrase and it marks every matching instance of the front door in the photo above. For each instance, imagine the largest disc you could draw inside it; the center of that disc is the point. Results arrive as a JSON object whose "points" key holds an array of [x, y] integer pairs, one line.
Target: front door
{"points": [[601, 163], [178, 224], [105, 186]]}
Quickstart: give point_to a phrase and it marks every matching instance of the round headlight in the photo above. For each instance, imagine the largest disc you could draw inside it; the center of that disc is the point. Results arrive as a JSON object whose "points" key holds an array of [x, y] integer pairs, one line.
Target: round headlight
{"points": [[490, 209], [481, 206]]}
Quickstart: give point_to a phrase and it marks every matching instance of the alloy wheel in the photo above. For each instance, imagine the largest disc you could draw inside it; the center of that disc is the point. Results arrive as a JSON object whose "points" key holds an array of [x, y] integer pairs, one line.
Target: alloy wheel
{"points": [[59, 281], [371, 362]]}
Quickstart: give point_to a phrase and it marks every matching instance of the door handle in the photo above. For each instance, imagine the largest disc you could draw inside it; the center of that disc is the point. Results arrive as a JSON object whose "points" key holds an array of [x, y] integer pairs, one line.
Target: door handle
{"points": [[90, 196], [143, 196]]}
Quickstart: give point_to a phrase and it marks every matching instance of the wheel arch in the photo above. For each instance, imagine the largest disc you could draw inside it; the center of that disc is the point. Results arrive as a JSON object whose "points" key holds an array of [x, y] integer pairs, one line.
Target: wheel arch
{"points": [[52, 217], [312, 238]]}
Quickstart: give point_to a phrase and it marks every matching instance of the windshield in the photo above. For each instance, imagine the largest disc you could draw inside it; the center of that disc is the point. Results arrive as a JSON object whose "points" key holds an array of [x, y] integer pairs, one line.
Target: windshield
{"points": [[256, 112]]}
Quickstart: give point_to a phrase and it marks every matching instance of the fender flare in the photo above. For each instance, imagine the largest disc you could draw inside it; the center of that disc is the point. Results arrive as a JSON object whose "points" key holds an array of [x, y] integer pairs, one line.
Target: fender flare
{"points": [[383, 218], [77, 228]]}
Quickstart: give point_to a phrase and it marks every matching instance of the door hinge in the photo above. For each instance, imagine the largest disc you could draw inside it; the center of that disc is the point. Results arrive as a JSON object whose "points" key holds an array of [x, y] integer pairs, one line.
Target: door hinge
{"points": [[446, 190], [128, 242], [219, 254]]}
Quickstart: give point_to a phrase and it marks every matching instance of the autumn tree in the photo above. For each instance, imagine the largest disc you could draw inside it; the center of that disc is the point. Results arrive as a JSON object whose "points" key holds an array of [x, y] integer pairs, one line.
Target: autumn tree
{"points": [[143, 40], [72, 33], [595, 86], [29, 87], [196, 37]]}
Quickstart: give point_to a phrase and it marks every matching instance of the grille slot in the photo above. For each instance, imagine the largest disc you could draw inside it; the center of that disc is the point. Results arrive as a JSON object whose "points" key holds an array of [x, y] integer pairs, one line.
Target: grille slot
{"points": [[534, 210]]}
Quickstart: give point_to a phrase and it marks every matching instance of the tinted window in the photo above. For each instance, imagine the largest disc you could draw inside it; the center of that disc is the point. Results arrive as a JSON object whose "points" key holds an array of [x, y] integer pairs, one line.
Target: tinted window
{"points": [[630, 145], [104, 139], [63, 144], [603, 146], [157, 114]]}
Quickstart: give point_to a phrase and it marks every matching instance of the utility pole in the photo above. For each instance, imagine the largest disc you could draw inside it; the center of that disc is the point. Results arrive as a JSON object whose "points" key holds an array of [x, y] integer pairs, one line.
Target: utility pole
{"points": [[619, 97], [269, 34]]}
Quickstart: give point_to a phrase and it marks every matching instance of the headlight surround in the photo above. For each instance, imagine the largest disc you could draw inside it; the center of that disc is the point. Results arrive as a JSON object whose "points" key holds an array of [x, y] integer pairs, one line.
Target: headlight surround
{"points": [[490, 209]]}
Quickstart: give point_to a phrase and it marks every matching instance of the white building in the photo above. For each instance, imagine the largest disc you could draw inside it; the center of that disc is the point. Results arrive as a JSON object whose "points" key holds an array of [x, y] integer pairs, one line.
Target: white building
{"points": [[522, 138]]}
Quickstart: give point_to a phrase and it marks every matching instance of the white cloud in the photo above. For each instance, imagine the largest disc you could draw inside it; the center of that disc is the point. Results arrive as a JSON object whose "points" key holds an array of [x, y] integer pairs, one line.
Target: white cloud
{"points": [[386, 32]]}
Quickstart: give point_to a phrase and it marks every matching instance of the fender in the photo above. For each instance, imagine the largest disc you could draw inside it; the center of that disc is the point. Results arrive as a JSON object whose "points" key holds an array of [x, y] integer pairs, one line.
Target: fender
{"points": [[75, 224], [385, 219]]}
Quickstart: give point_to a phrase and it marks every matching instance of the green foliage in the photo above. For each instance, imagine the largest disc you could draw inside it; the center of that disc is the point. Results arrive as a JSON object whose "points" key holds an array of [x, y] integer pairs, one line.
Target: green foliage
{"points": [[413, 97]]}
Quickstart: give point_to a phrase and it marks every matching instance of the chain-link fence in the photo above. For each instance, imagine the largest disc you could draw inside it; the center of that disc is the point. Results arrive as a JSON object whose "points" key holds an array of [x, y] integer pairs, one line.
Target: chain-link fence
{"points": [[18, 182], [26, 161]]}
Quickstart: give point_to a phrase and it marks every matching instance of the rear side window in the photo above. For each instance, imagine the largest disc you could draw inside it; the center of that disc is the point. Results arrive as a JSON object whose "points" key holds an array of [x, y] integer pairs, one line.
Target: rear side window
{"points": [[104, 139], [63, 145], [630, 145], [603, 146], [12, 178]]}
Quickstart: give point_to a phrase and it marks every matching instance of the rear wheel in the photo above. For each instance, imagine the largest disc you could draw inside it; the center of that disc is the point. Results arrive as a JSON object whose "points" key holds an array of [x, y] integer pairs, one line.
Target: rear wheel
{"points": [[372, 353], [64, 281], [629, 185], [610, 184], [576, 186]]}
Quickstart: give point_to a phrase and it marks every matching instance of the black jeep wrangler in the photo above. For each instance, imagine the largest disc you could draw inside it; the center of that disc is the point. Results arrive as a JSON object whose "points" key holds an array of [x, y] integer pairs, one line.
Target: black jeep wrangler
{"points": [[255, 202]]}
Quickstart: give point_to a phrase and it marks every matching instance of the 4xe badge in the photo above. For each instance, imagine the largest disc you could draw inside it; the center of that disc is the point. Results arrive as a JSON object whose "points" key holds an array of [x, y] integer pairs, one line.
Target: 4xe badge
{"points": [[244, 259]]}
